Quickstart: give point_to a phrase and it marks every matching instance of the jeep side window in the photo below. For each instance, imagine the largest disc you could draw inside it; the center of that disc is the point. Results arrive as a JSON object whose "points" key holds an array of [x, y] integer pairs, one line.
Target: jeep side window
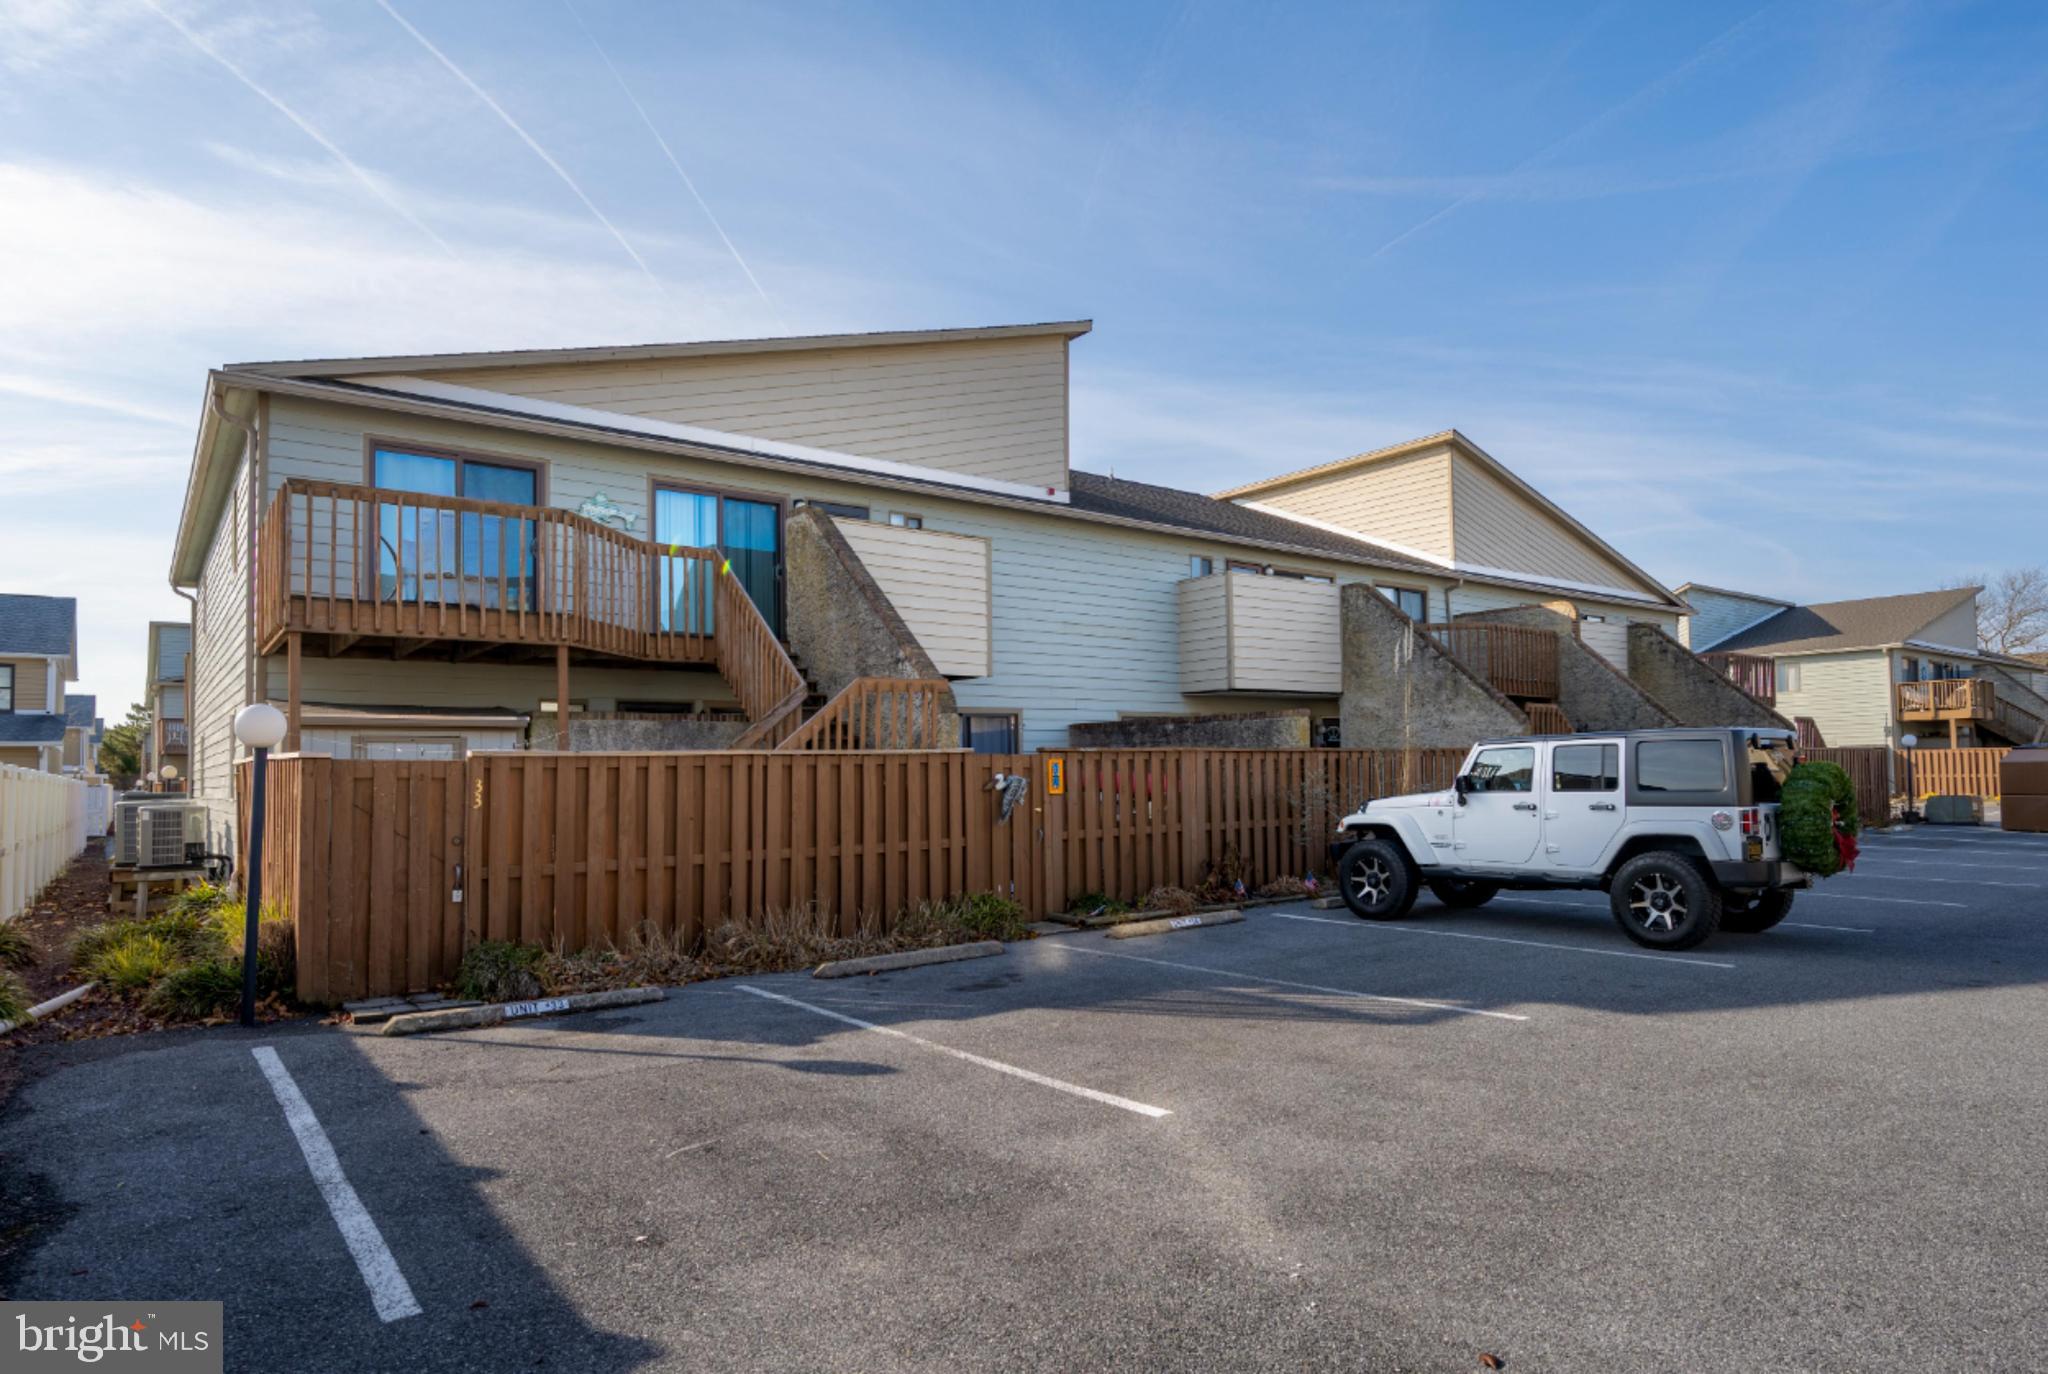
{"points": [[1681, 765], [1585, 768], [1504, 770]]}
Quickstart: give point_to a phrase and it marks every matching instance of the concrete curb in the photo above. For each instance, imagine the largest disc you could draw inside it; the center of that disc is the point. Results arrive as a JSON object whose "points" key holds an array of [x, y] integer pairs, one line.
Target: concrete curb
{"points": [[463, 1018], [908, 958], [42, 1009], [1131, 930], [1325, 903]]}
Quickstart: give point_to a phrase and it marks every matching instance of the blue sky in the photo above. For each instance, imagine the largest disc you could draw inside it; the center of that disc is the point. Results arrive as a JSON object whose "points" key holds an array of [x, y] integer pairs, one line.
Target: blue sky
{"points": [[1755, 290]]}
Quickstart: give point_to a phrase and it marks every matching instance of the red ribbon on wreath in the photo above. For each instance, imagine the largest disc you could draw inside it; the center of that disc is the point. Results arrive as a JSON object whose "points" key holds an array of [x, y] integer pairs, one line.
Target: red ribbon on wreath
{"points": [[1845, 843]]}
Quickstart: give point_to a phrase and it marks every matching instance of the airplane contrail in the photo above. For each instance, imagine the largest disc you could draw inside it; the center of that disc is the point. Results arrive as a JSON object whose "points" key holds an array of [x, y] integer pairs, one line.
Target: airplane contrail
{"points": [[529, 140], [305, 126], [676, 163], [1654, 88]]}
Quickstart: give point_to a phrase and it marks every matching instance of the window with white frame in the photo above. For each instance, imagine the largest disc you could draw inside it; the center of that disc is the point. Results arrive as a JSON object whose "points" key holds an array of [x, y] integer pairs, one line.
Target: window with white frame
{"points": [[6, 686], [905, 520], [1788, 676]]}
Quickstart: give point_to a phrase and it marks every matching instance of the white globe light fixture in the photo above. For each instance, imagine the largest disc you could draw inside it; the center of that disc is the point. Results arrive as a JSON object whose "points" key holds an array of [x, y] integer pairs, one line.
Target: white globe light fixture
{"points": [[150, 776], [1908, 741], [170, 772], [261, 726]]}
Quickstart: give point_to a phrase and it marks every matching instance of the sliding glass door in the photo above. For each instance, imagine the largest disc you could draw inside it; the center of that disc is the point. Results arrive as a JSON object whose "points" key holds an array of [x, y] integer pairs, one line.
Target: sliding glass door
{"points": [[451, 557], [747, 531]]}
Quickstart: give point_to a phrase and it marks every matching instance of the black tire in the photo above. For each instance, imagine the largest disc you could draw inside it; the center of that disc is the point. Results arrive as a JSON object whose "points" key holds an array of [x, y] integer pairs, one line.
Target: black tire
{"points": [[1463, 892], [1377, 880], [1662, 900], [1753, 915]]}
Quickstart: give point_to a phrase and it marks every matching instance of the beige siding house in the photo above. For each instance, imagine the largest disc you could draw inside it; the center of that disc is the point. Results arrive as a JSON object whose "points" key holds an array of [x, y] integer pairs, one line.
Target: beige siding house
{"points": [[38, 658], [414, 554], [166, 749], [1877, 670]]}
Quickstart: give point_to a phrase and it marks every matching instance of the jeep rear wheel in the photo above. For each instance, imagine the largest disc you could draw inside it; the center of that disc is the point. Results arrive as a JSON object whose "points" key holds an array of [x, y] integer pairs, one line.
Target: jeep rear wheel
{"points": [[1463, 892], [1662, 901], [1376, 880], [1748, 916]]}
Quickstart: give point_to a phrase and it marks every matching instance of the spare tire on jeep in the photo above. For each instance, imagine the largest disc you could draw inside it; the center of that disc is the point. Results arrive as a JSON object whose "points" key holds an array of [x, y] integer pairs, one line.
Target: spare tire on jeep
{"points": [[1377, 880], [1663, 900]]}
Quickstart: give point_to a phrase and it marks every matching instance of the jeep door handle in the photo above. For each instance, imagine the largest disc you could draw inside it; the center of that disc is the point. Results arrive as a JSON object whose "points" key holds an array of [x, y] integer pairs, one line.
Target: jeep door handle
{"points": [[1525, 806], [1600, 806]]}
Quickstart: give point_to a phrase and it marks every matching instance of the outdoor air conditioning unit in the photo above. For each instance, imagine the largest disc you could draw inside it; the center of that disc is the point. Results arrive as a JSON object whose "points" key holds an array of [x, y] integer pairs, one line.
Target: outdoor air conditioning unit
{"points": [[128, 828], [167, 831]]}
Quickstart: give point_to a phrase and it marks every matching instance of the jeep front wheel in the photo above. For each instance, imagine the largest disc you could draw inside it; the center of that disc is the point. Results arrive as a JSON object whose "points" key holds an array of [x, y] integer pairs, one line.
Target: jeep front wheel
{"points": [[1748, 916], [1463, 892], [1662, 901], [1376, 880]]}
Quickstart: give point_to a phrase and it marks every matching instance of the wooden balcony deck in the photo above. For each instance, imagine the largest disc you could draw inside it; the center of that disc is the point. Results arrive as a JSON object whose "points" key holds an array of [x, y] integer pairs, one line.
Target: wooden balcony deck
{"points": [[1753, 673], [355, 563], [340, 565], [1961, 699], [1519, 660]]}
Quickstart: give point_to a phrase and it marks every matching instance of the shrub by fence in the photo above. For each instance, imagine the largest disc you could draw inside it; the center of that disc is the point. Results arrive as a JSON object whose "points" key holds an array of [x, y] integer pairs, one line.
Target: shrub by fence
{"points": [[43, 825], [391, 868]]}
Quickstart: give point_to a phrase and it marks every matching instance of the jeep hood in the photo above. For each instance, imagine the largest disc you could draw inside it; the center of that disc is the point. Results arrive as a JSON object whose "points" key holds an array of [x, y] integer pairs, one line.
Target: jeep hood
{"points": [[1414, 801]]}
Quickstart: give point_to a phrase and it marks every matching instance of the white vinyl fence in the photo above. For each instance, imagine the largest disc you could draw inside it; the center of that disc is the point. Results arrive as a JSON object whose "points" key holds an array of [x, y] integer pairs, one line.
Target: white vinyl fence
{"points": [[43, 825]]}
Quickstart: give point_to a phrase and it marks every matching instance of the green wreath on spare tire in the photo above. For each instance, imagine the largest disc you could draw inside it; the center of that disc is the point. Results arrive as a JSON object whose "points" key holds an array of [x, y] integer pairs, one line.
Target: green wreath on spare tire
{"points": [[1817, 800]]}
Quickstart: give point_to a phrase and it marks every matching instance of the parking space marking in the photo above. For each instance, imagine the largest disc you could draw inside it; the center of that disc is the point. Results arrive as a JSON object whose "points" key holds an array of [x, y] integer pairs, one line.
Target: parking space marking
{"points": [[1945, 880], [1075, 1089], [1889, 901], [1851, 930], [1290, 983], [389, 1292], [1950, 863], [1506, 940]]}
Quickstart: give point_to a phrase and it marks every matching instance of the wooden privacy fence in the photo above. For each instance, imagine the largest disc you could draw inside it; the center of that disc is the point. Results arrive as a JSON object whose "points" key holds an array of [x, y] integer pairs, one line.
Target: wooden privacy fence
{"points": [[1881, 773], [390, 869]]}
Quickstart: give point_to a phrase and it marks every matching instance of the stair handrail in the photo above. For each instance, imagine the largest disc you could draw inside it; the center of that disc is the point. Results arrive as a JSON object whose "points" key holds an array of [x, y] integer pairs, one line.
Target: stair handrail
{"points": [[864, 714], [754, 662]]}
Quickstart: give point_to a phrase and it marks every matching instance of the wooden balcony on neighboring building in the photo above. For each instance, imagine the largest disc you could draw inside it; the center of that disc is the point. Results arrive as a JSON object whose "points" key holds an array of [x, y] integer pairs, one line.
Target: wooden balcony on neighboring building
{"points": [[1753, 673], [1961, 699], [1519, 660]]}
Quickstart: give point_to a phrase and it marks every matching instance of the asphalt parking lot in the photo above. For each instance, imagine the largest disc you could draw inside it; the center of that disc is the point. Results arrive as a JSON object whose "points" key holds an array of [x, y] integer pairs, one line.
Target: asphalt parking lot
{"points": [[1300, 1142]]}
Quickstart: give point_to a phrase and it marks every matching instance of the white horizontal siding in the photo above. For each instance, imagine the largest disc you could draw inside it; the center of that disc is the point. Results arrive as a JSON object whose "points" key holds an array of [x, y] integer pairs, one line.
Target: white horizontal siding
{"points": [[994, 408], [1285, 636], [1205, 634], [1405, 501], [938, 583], [1847, 695], [1494, 526]]}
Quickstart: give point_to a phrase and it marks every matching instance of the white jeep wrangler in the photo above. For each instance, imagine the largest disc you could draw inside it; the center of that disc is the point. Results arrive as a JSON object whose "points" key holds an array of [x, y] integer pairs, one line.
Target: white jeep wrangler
{"points": [[1679, 827]]}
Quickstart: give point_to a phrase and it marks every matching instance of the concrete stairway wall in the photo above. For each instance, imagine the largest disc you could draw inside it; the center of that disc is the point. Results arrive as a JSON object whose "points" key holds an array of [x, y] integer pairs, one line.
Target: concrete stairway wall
{"points": [[1401, 690], [1689, 688], [1593, 693]]}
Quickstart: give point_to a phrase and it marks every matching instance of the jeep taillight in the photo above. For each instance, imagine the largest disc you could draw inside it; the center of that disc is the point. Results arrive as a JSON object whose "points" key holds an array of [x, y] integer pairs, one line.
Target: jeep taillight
{"points": [[1752, 821]]}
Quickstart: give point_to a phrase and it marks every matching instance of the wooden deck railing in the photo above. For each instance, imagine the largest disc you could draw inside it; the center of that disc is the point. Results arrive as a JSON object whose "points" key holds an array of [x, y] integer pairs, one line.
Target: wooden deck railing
{"points": [[753, 660], [878, 713], [1753, 673], [354, 561], [1517, 659], [1955, 698]]}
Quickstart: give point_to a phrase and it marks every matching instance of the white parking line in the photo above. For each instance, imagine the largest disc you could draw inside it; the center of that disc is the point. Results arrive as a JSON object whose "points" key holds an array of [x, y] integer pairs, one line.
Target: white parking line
{"points": [[1504, 940], [389, 1292], [1809, 925], [1803, 925], [1290, 983], [1944, 880], [1108, 1099], [1890, 901], [1950, 863]]}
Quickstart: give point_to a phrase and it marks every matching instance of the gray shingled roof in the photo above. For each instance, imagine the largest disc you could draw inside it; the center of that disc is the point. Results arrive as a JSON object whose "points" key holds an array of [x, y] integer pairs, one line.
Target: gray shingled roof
{"points": [[25, 728], [1118, 496], [38, 624], [79, 710], [1841, 625]]}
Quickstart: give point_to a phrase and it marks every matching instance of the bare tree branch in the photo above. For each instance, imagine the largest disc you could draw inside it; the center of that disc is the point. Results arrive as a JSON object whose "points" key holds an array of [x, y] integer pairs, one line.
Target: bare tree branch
{"points": [[2012, 611]]}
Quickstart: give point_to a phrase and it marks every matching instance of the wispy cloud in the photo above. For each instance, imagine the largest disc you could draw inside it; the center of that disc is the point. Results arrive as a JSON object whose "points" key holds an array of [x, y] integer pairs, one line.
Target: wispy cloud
{"points": [[373, 185], [674, 162], [529, 140]]}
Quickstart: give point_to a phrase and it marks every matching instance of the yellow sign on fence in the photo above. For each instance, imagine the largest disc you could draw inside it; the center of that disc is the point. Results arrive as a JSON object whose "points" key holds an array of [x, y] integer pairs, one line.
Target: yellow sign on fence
{"points": [[1055, 777]]}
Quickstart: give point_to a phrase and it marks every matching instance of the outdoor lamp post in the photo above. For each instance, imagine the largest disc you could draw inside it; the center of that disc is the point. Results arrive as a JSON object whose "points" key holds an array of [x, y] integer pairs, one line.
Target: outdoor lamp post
{"points": [[261, 727], [169, 775]]}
